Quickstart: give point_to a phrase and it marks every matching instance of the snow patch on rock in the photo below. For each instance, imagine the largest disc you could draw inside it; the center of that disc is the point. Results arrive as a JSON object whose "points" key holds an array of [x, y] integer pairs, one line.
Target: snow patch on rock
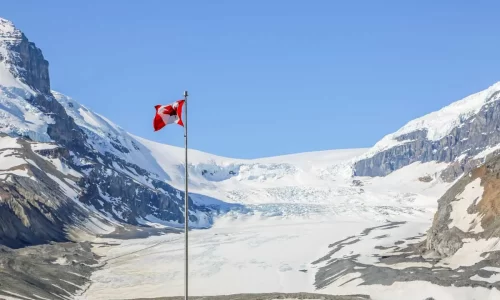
{"points": [[459, 216]]}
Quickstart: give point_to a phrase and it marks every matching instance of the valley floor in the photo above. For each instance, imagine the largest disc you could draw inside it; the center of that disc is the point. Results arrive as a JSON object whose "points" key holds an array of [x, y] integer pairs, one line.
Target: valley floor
{"points": [[235, 256], [255, 254]]}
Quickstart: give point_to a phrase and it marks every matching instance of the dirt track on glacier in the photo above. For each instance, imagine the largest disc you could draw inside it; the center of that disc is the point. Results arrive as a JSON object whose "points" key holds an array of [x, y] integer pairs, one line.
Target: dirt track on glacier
{"points": [[271, 296]]}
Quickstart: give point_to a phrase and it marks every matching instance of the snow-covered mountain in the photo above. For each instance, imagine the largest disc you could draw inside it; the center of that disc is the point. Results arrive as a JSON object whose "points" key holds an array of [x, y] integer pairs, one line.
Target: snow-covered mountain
{"points": [[461, 134], [60, 175], [68, 173], [291, 184]]}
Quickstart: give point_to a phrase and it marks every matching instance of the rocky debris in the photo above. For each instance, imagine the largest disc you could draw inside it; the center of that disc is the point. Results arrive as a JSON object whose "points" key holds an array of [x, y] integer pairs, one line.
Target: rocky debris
{"points": [[270, 296], [427, 178], [469, 138], [51, 271], [126, 232], [400, 262], [337, 246], [357, 182], [35, 211]]}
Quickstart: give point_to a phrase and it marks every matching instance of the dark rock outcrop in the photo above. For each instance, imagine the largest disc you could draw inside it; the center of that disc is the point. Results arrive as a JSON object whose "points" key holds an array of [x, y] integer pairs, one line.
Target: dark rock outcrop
{"points": [[35, 211], [63, 131], [53, 271], [444, 240], [25, 60]]}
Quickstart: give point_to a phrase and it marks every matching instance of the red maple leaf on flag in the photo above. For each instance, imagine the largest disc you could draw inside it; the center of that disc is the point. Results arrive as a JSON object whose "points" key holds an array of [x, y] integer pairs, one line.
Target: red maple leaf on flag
{"points": [[168, 114]]}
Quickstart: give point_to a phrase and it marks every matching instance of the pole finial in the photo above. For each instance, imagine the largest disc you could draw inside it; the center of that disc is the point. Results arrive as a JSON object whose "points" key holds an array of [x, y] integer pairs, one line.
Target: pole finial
{"points": [[185, 93]]}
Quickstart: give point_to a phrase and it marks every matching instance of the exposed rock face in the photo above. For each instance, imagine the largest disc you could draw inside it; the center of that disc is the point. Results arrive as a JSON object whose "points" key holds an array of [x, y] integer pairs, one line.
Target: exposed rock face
{"points": [[479, 218], [127, 200], [64, 131], [57, 271], [33, 208], [40, 205], [25, 60], [473, 135]]}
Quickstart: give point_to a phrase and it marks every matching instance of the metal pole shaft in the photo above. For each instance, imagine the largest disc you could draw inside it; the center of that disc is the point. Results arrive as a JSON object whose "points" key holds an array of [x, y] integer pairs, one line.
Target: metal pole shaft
{"points": [[186, 208]]}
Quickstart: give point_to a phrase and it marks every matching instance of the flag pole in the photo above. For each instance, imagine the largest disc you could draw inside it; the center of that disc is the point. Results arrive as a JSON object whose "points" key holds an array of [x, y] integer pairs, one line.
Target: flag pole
{"points": [[186, 209]]}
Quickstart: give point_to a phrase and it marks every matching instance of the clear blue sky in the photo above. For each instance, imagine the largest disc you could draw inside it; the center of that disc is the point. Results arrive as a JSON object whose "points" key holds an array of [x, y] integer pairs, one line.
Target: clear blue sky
{"points": [[266, 77]]}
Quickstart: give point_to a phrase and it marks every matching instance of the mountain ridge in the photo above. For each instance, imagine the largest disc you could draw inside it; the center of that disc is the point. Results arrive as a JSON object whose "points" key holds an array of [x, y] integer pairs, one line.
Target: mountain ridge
{"points": [[462, 133], [84, 178]]}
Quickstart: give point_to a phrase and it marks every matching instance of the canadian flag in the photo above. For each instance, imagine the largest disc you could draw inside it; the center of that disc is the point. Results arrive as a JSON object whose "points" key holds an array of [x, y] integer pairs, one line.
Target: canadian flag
{"points": [[168, 114]]}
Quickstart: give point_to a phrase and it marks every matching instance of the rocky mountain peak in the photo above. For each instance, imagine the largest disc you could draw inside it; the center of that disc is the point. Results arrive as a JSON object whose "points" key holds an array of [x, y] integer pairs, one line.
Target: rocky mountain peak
{"points": [[8, 30], [23, 59]]}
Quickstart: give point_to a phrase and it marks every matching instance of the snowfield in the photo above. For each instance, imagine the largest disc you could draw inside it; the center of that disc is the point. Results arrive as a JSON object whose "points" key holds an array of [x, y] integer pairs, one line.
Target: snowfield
{"points": [[247, 255], [270, 247], [255, 254]]}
